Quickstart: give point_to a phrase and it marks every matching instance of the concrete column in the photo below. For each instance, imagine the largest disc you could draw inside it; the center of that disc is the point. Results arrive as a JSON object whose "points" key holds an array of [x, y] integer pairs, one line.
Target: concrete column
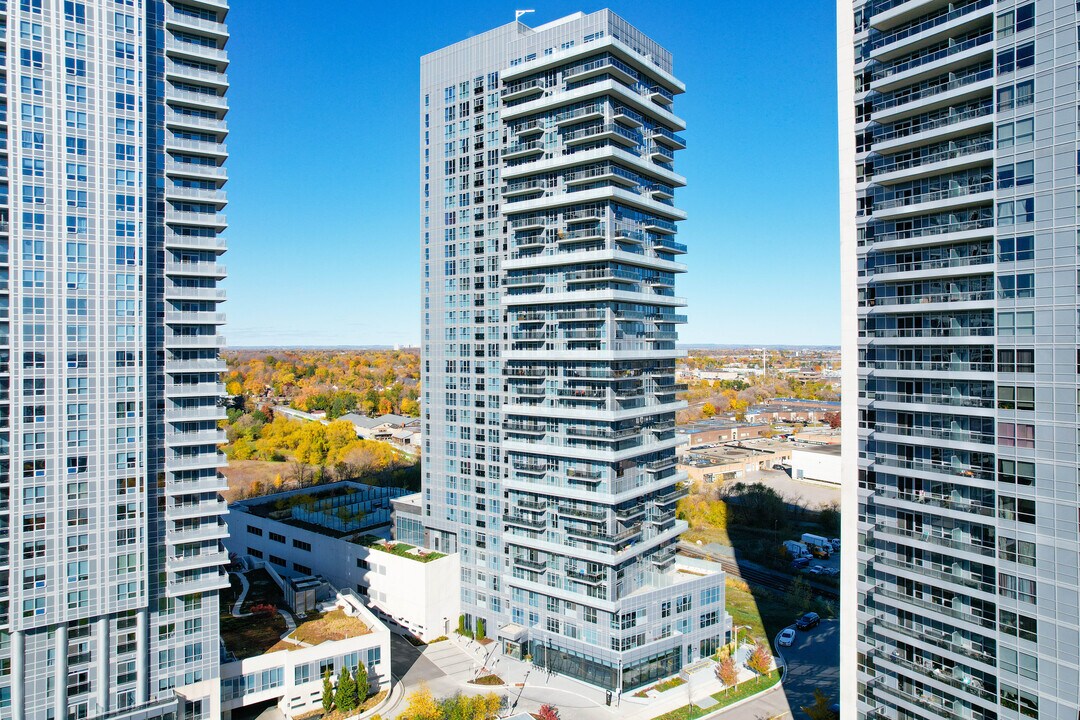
{"points": [[142, 656], [104, 662], [18, 673], [60, 673]]}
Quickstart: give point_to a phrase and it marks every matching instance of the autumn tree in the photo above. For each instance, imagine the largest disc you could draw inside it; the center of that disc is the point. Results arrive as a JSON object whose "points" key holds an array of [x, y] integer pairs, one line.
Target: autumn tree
{"points": [[548, 712], [708, 410], [421, 705], [727, 672], [760, 659]]}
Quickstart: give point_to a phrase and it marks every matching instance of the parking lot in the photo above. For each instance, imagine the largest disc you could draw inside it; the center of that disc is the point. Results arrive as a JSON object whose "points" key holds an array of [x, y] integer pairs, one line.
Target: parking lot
{"points": [[813, 662]]}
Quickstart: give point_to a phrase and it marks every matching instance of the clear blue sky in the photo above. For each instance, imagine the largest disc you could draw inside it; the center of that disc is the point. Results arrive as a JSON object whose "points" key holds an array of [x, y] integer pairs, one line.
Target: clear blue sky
{"points": [[323, 211]]}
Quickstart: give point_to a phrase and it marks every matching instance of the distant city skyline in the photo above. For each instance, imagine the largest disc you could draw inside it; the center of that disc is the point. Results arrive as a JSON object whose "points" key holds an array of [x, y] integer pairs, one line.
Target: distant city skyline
{"points": [[326, 173]]}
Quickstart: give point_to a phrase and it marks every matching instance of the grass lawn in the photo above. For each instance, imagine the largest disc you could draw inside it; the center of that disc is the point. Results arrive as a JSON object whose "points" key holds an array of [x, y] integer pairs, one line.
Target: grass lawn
{"points": [[334, 625], [724, 698], [251, 636], [765, 611]]}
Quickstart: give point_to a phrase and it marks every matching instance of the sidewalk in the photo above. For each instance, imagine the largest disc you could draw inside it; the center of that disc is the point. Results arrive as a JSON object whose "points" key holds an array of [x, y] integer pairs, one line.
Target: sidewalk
{"points": [[528, 687]]}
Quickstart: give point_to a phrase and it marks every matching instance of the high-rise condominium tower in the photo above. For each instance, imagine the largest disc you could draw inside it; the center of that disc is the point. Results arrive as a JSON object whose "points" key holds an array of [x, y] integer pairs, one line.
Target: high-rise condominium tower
{"points": [[549, 353], [959, 201], [110, 554]]}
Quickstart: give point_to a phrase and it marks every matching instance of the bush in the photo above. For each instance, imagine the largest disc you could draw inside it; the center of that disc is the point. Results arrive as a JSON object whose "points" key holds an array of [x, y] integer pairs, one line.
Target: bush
{"points": [[481, 629]]}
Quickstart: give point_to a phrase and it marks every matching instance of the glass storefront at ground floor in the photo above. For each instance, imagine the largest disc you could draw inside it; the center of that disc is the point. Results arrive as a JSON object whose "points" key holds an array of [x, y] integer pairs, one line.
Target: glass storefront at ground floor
{"points": [[602, 673]]}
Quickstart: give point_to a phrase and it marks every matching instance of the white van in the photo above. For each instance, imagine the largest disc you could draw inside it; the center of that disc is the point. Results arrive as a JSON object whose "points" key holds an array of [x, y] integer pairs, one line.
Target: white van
{"points": [[796, 549]]}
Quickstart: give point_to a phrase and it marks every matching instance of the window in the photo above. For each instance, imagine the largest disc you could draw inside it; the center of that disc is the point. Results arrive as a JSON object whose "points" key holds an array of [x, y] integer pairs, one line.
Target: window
{"points": [[1016, 435], [75, 11], [1018, 509], [682, 604], [1019, 323], [1016, 361], [1026, 628], [1016, 398], [1017, 248], [1016, 96], [1016, 211], [1017, 58], [1016, 286], [1022, 173], [277, 537], [709, 619], [1020, 700], [1017, 551], [252, 530], [1017, 20], [301, 545], [280, 562]]}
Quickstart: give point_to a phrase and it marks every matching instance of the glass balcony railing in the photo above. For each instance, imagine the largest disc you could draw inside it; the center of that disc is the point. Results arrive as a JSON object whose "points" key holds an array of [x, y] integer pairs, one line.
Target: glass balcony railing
{"points": [[915, 28]]}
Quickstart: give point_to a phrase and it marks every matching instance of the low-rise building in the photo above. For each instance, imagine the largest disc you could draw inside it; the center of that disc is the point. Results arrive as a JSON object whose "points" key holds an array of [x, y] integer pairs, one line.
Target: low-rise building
{"points": [[259, 667], [816, 462], [719, 430], [343, 532], [733, 461]]}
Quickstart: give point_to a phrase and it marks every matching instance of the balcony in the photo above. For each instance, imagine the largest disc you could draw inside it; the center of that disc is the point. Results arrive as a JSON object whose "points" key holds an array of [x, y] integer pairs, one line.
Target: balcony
{"points": [[191, 510], [936, 637], [211, 100], [203, 583], [937, 433], [523, 89], [933, 121], [931, 231], [967, 401], [190, 562], [931, 264], [936, 196], [585, 576], [659, 465], [526, 522], [957, 469], [604, 66], [173, 18], [925, 58], [523, 149], [530, 564], [673, 140], [926, 298], [610, 131], [966, 614], [203, 269], [936, 538], [215, 389], [915, 28], [196, 437], [201, 52], [941, 572], [194, 462], [214, 220], [930, 88]]}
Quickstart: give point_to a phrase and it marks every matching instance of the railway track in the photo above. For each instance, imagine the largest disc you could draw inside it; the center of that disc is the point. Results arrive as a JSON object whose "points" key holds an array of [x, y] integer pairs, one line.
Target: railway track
{"points": [[759, 578]]}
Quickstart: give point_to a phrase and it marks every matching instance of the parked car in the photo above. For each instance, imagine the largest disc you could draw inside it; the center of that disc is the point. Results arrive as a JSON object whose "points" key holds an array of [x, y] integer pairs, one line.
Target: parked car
{"points": [[807, 621], [831, 571], [816, 570], [835, 542], [786, 637], [800, 563], [819, 552]]}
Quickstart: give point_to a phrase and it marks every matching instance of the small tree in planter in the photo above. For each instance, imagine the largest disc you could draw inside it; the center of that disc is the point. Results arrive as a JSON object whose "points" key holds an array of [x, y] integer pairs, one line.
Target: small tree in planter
{"points": [[327, 693], [481, 628], [345, 697], [361, 679], [760, 660], [727, 671]]}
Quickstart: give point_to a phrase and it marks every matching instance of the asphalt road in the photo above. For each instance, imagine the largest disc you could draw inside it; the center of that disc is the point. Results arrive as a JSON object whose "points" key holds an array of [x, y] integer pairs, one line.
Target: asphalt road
{"points": [[813, 662]]}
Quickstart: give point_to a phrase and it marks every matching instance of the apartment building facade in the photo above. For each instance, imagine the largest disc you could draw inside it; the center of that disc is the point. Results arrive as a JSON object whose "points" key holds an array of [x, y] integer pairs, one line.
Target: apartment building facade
{"points": [[549, 259], [110, 556], [959, 195]]}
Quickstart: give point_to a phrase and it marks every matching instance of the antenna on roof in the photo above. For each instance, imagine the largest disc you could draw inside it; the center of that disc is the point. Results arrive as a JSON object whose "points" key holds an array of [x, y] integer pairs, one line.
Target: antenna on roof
{"points": [[519, 13]]}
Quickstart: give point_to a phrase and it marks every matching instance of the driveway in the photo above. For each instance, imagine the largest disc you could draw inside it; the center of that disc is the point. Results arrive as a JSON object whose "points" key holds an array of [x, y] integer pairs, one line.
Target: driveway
{"points": [[813, 662]]}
